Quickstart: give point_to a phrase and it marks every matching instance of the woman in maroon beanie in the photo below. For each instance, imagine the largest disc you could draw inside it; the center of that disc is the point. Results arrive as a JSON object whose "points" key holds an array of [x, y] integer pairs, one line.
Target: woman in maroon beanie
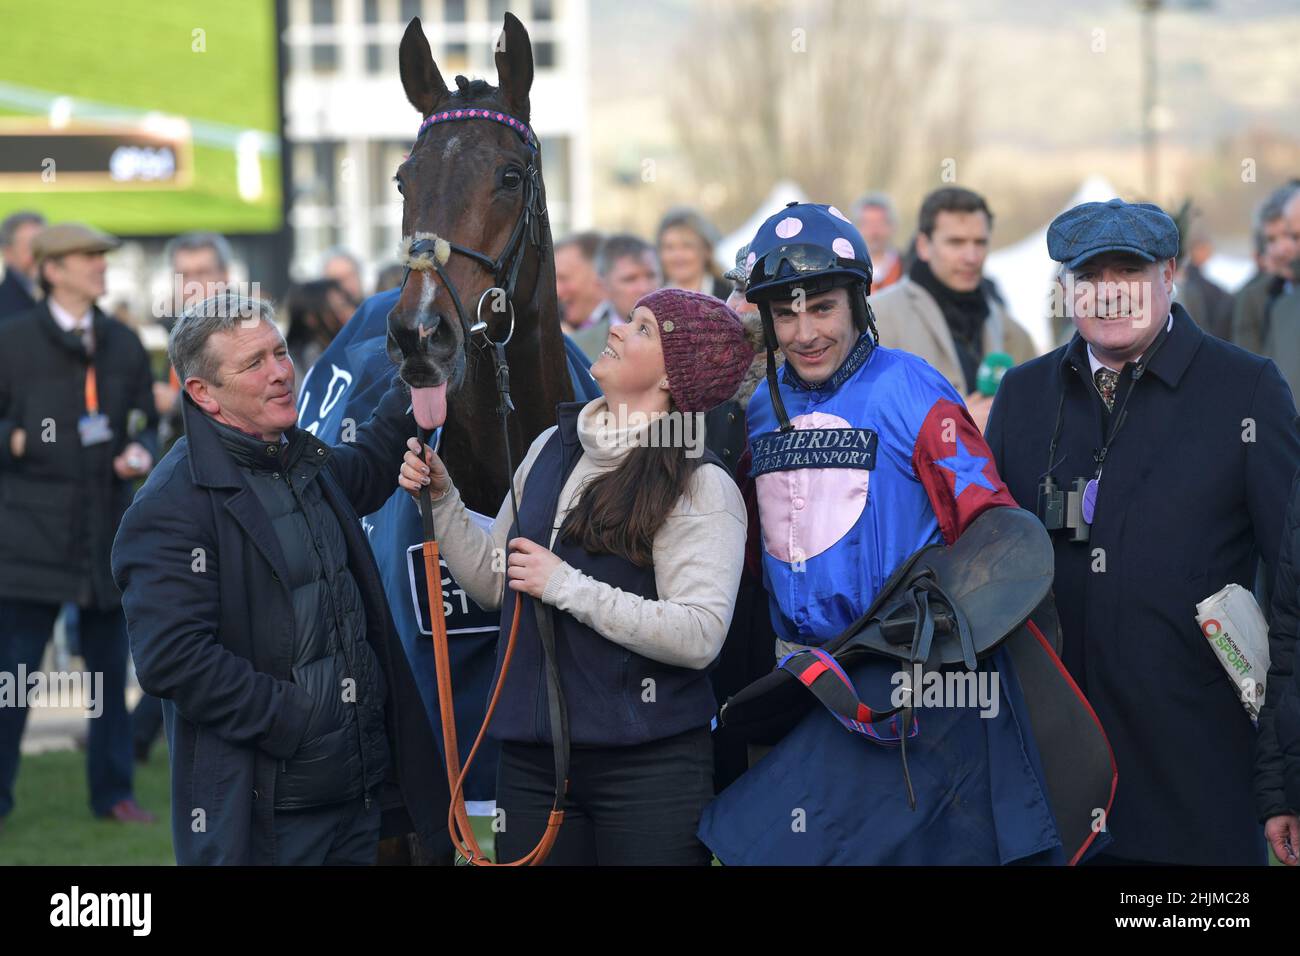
{"points": [[634, 534]]}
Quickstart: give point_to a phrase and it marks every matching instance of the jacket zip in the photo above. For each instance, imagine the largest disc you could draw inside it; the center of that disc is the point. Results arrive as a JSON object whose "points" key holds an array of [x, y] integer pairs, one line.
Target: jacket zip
{"points": [[338, 631]]}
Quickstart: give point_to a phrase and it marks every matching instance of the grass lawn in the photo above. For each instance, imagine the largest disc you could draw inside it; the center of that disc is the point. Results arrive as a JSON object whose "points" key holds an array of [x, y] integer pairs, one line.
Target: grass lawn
{"points": [[52, 825]]}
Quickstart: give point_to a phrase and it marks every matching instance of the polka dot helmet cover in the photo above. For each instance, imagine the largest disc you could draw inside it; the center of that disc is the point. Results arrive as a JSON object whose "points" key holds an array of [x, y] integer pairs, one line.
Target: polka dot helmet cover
{"points": [[804, 242]]}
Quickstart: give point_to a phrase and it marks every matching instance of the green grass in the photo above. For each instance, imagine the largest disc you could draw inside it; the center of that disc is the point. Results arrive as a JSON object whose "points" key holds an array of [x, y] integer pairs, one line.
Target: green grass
{"points": [[52, 825], [139, 53]]}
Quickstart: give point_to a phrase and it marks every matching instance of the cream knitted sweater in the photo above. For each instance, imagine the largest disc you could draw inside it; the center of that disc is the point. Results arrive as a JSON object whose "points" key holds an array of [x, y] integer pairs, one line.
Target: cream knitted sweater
{"points": [[698, 553]]}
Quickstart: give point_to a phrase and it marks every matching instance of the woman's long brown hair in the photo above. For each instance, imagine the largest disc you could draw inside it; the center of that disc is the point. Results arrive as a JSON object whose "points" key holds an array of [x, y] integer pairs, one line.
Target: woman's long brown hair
{"points": [[620, 511]]}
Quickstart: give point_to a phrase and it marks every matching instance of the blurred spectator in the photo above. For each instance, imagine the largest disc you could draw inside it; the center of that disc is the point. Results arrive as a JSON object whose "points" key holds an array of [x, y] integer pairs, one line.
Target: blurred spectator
{"points": [[1282, 318], [943, 310], [390, 277], [345, 269], [317, 310], [685, 241], [628, 269], [738, 276], [199, 263], [747, 652], [18, 290], [1208, 303], [875, 218], [1275, 249], [77, 428], [577, 286]]}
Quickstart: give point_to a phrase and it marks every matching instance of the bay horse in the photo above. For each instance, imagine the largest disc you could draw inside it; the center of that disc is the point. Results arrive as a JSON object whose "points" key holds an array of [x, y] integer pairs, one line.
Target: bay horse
{"points": [[477, 246], [475, 232]]}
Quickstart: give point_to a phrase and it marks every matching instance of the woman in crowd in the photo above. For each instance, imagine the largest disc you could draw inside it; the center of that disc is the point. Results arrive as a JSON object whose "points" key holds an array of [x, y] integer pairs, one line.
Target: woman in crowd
{"points": [[685, 242]]}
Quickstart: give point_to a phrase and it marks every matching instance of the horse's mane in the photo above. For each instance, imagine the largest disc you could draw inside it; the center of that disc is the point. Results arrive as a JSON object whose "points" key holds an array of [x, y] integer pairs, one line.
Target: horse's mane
{"points": [[469, 91]]}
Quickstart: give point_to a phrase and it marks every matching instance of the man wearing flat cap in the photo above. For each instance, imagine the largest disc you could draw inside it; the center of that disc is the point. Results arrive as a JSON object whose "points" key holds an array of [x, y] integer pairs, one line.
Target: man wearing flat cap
{"points": [[77, 428], [1159, 458]]}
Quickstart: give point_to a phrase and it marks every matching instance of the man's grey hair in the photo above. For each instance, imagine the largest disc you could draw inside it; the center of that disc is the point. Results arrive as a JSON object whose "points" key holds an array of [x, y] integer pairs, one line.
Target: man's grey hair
{"points": [[875, 201], [191, 241], [587, 244], [15, 221], [1270, 210], [188, 346], [620, 246], [338, 252]]}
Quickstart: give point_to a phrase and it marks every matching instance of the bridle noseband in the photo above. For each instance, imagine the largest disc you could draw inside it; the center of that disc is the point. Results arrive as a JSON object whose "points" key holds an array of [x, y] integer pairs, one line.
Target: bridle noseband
{"points": [[429, 252]]}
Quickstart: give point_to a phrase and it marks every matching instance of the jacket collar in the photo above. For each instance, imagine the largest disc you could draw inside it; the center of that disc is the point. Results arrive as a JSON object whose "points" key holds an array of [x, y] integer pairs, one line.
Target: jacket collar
{"points": [[212, 465], [1170, 360], [566, 421], [71, 341], [856, 358], [931, 315]]}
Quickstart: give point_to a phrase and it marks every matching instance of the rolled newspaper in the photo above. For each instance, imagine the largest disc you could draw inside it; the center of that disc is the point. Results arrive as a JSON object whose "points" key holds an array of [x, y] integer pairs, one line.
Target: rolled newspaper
{"points": [[1234, 625]]}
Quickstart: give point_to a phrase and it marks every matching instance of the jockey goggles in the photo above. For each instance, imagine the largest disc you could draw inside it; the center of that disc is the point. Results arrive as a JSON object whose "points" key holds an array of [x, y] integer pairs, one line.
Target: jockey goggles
{"points": [[802, 259]]}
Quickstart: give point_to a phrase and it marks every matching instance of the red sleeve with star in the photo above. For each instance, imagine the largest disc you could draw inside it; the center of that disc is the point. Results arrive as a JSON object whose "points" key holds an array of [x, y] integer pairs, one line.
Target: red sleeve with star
{"points": [[954, 464]]}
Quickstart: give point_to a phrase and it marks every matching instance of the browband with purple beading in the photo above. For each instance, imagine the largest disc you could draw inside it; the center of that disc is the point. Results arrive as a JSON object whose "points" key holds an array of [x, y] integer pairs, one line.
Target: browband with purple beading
{"points": [[504, 119]]}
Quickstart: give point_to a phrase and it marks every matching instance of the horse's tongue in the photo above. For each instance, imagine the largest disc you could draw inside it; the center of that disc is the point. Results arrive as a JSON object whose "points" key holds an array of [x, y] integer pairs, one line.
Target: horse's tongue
{"points": [[430, 406]]}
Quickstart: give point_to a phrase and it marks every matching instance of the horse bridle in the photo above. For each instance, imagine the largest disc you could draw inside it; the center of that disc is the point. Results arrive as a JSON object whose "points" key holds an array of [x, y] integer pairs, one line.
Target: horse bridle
{"points": [[427, 251], [431, 252]]}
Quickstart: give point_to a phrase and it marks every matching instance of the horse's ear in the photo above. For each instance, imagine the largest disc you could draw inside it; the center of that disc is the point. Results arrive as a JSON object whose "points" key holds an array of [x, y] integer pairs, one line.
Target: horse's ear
{"points": [[514, 56], [420, 77]]}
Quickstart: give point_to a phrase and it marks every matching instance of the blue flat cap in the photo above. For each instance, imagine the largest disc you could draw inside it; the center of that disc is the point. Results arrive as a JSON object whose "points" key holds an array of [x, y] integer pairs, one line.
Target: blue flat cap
{"points": [[1091, 228]]}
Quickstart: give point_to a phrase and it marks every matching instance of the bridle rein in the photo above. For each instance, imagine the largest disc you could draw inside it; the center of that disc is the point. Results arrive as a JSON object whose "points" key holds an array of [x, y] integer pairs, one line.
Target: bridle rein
{"points": [[429, 252]]}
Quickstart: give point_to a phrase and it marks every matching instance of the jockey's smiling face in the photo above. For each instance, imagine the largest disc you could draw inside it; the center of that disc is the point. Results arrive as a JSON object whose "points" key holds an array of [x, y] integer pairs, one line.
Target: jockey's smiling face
{"points": [[815, 334], [254, 387]]}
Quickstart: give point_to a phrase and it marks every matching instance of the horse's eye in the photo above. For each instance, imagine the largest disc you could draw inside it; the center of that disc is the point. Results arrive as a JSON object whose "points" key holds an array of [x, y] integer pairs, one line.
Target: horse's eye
{"points": [[511, 179]]}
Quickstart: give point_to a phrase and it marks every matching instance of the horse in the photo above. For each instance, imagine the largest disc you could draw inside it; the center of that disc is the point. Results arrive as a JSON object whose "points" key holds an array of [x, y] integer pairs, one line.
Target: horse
{"points": [[475, 230], [454, 186]]}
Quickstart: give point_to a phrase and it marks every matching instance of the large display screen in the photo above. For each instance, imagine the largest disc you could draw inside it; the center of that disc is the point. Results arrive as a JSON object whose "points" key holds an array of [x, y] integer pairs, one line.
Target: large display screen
{"points": [[141, 117]]}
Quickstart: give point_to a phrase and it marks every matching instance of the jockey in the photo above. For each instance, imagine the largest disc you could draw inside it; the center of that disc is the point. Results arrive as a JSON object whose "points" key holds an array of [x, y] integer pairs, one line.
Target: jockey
{"points": [[863, 455]]}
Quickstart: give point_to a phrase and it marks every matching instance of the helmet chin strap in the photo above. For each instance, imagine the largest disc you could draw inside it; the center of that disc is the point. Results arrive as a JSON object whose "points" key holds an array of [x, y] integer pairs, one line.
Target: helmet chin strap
{"points": [[769, 339]]}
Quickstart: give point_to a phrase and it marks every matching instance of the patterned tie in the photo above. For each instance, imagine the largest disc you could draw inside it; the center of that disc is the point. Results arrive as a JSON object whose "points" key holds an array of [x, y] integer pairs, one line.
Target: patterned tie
{"points": [[1107, 379]]}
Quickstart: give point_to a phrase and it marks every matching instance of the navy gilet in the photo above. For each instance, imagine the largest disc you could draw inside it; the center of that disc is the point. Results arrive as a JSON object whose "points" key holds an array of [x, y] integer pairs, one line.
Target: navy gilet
{"points": [[615, 696]]}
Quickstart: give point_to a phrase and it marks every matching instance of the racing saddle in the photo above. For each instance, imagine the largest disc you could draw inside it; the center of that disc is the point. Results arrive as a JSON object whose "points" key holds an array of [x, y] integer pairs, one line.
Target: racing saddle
{"points": [[942, 606], [946, 607]]}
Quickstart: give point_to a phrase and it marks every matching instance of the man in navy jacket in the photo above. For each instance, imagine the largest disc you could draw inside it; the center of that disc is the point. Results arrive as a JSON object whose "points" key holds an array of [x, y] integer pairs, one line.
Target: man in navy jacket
{"points": [[1183, 448], [256, 612], [18, 290]]}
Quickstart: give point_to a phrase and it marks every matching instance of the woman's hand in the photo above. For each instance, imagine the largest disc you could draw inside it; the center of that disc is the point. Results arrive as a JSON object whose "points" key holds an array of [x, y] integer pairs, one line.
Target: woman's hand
{"points": [[530, 566], [416, 474]]}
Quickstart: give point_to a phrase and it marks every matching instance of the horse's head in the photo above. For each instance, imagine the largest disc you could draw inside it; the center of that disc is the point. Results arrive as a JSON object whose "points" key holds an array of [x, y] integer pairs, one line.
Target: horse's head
{"points": [[472, 204]]}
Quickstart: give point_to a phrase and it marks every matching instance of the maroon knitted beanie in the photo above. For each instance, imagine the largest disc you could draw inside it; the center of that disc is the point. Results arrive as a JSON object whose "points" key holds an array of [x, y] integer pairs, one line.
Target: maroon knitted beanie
{"points": [[706, 352]]}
